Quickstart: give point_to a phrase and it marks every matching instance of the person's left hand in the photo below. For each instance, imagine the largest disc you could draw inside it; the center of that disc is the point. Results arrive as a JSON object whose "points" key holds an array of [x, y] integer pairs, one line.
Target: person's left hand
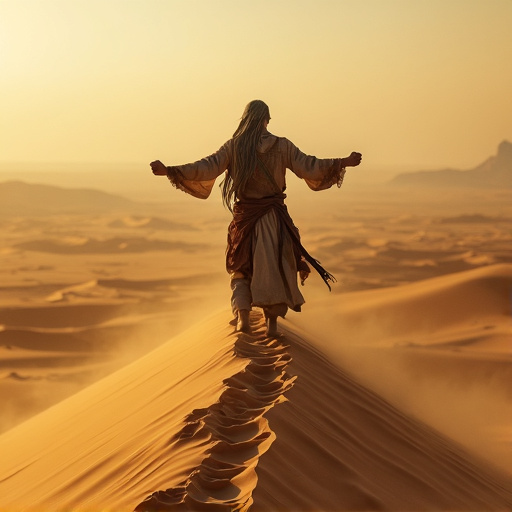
{"points": [[158, 168], [353, 160]]}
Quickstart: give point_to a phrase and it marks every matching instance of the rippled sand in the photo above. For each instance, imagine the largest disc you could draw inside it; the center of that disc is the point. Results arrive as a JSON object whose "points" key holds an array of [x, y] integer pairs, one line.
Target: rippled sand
{"points": [[124, 384]]}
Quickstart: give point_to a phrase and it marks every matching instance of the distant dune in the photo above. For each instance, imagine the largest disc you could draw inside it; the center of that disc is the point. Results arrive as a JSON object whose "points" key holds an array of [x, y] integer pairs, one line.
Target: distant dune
{"points": [[77, 245], [19, 198], [153, 223], [495, 172]]}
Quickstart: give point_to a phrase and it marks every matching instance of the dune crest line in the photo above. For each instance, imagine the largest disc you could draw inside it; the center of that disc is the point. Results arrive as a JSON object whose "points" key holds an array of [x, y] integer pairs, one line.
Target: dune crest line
{"points": [[234, 429]]}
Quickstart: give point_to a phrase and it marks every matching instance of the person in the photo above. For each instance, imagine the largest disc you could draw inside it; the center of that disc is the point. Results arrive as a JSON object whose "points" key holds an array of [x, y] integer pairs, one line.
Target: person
{"points": [[264, 256]]}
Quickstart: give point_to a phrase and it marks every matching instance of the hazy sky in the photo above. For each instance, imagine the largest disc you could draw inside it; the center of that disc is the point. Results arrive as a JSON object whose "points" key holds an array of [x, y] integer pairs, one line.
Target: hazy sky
{"points": [[410, 83]]}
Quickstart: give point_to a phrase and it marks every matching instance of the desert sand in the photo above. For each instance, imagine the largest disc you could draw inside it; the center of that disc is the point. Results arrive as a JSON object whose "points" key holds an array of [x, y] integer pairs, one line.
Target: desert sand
{"points": [[124, 385]]}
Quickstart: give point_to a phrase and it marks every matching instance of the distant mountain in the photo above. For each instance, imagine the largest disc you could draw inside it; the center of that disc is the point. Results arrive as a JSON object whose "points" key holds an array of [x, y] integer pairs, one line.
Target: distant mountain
{"points": [[19, 198], [495, 172]]}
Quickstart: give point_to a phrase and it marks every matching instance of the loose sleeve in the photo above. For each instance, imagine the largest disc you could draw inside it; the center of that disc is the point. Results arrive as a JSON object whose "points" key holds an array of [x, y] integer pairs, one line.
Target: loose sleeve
{"points": [[318, 173], [197, 178]]}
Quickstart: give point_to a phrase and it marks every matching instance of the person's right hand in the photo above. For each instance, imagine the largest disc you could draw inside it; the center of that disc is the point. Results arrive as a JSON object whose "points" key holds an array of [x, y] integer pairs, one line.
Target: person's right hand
{"points": [[353, 160], [158, 168]]}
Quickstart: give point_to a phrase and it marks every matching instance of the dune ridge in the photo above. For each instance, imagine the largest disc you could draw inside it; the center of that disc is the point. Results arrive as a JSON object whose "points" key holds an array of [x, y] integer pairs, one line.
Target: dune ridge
{"points": [[107, 446], [188, 417], [346, 448], [439, 349], [226, 477]]}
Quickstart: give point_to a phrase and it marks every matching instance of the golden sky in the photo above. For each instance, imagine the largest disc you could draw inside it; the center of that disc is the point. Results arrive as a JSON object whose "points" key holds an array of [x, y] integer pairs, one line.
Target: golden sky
{"points": [[409, 83]]}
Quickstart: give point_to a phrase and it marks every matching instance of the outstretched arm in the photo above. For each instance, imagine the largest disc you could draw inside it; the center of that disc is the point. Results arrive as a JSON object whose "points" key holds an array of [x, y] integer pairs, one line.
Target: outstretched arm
{"points": [[196, 178], [319, 173]]}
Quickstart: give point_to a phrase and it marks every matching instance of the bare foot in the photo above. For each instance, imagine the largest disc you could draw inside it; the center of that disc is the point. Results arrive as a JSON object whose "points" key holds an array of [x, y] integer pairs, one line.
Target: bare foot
{"points": [[272, 326], [243, 324]]}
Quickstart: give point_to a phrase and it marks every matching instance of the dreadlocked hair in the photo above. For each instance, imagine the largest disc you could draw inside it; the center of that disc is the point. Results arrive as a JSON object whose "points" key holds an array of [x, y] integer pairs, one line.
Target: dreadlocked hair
{"points": [[244, 158]]}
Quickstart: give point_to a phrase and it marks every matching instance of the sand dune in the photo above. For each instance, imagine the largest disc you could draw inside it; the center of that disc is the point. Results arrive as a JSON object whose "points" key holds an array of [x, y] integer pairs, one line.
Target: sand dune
{"points": [[194, 417], [153, 223], [439, 348], [417, 310], [347, 449], [52, 347], [118, 430], [420, 315], [19, 198], [235, 427], [79, 245]]}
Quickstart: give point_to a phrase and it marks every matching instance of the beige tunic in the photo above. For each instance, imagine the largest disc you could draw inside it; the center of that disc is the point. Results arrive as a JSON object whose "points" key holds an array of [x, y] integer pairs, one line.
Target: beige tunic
{"points": [[278, 154]]}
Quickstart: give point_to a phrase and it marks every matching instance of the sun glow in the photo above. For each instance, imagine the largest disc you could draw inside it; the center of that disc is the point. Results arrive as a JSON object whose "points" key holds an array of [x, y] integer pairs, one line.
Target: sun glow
{"points": [[406, 83]]}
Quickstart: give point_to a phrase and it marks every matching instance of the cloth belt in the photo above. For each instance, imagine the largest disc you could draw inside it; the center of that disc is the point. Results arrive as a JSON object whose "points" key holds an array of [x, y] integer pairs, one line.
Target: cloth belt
{"points": [[245, 215]]}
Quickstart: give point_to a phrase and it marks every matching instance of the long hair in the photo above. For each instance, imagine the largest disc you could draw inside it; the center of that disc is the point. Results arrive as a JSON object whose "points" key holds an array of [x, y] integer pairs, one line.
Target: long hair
{"points": [[245, 143]]}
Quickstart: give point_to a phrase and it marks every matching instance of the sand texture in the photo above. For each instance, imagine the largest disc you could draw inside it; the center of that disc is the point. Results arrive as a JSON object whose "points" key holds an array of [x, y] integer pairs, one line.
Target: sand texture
{"points": [[193, 418], [124, 385]]}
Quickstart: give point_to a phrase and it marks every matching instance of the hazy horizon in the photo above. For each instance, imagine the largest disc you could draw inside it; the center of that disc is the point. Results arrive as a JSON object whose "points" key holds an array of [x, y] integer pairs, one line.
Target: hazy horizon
{"points": [[411, 85]]}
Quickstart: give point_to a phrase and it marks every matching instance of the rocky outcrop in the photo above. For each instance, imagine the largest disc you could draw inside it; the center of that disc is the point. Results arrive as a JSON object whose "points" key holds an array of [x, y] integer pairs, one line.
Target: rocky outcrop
{"points": [[495, 172]]}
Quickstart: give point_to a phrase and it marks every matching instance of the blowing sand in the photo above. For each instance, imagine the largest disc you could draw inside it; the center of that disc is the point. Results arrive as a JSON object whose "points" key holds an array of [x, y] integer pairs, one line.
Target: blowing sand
{"points": [[123, 383]]}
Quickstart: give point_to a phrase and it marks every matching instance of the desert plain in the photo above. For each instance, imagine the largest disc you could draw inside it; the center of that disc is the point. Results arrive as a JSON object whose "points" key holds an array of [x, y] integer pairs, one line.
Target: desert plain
{"points": [[123, 383]]}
